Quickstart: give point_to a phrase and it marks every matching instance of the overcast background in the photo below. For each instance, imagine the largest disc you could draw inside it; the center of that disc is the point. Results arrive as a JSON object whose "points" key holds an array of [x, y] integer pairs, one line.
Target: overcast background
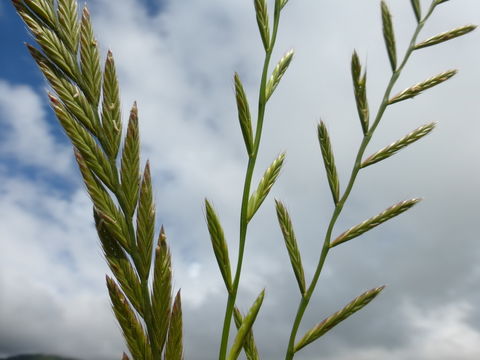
{"points": [[177, 59]]}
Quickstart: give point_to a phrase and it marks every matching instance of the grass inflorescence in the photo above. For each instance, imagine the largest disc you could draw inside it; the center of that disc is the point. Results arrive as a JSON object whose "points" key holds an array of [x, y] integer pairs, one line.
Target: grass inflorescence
{"points": [[368, 128], [85, 98]]}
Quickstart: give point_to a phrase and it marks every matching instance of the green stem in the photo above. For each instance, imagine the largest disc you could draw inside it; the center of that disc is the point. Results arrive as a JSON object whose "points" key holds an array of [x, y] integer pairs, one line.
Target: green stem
{"points": [[356, 168], [246, 188]]}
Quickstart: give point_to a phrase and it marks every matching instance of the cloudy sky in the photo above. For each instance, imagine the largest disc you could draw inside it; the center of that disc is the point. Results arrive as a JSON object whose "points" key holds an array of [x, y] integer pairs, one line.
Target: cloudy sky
{"points": [[177, 58]]}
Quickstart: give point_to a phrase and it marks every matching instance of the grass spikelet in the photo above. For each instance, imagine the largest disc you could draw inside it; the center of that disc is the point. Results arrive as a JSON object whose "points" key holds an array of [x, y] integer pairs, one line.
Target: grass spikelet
{"points": [[369, 224], [245, 328], [28, 16], [329, 161], [393, 148], [389, 35], [219, 244], [360, 91], [244, 114], [291, 243], [264, 186], [72, 97], [119, 264], [56, 50], [132, 329], [326, 325], [249, 345], [90, 60], [86, 145], [262, 21], [162, 290], [145, 224], [130, 164], [277, 74], [103, 204], [68, 26], [283, 3], [44, 10], [111, 118], [174, 347], [415, 90], [445, 36], [417, 9]]}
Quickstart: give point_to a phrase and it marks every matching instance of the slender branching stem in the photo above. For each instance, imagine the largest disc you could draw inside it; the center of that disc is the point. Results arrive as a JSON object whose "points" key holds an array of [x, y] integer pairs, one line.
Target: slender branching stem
{"points": [[304, 301], [262, 100]]}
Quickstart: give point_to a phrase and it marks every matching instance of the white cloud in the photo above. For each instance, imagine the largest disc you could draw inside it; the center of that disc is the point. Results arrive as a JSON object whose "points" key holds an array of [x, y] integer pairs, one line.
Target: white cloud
{"points": [[27, 136]]}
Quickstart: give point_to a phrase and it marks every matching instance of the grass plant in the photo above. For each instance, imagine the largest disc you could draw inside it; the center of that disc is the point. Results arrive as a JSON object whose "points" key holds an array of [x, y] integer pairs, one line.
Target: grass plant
{"points": [[85, 98]]}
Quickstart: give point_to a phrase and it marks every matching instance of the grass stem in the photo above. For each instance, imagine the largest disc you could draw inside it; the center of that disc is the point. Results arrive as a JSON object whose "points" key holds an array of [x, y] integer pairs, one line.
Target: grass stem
{"points": [[262, 100]]}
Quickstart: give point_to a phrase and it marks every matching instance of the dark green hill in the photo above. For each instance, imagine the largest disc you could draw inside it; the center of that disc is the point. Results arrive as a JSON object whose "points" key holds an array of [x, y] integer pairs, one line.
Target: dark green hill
{"points": [[36, 357]]}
